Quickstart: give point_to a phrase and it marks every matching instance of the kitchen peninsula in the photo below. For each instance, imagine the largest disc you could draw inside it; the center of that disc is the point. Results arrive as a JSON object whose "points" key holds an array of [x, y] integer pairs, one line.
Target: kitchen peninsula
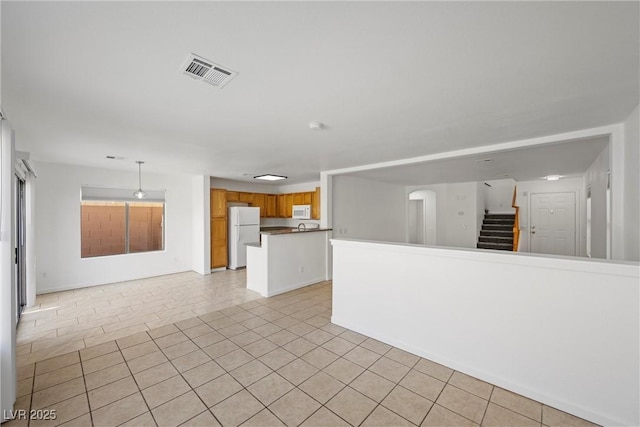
{"points": [[287, 259]]}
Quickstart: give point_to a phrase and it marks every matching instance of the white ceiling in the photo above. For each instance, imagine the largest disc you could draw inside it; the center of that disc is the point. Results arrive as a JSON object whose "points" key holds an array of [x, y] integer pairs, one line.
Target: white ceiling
{"points": [[568, 159], [391, 80]]}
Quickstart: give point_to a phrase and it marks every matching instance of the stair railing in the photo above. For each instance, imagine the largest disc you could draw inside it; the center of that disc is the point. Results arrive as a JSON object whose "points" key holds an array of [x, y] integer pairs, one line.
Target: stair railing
{"points": [[516, 222]]}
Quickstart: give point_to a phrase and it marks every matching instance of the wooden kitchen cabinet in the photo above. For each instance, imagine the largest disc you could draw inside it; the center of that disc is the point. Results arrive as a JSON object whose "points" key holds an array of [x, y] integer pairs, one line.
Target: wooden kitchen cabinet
{"points": [[315, 204], [288, 199], [232, 196], [218, 242], [270, 206], [218, 203], [298, 198], [218, 209], [245, 197], [259, 202], [285, 204]]}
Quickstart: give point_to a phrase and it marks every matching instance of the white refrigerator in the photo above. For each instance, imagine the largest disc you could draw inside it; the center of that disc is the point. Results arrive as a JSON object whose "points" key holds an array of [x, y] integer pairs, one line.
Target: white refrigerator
{"points": [[244, 227]]}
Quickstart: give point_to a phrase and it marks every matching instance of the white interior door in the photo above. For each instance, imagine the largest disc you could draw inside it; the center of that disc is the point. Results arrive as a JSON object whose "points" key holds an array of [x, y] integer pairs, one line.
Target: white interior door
{"points": [[553, 223]]}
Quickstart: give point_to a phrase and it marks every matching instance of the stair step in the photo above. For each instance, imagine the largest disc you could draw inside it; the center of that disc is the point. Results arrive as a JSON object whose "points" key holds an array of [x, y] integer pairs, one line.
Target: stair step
{"points": [[497, 233], [496, 239], [500, 216], [501, 227], [498, 221], [495, 246]]}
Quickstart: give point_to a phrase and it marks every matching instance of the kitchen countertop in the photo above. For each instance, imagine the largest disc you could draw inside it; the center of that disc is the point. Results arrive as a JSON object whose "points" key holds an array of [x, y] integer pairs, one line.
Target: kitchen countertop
{"points": [[289, 230]]}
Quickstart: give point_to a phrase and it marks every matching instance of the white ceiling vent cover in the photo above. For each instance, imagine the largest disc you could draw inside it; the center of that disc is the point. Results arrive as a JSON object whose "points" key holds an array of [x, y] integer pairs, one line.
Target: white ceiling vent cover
{"points": [[199, 68]]}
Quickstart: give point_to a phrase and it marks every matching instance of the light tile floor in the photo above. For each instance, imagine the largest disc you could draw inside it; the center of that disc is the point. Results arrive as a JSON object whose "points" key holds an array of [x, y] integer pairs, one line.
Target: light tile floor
{"points": [[72, 320], [265, 362]]}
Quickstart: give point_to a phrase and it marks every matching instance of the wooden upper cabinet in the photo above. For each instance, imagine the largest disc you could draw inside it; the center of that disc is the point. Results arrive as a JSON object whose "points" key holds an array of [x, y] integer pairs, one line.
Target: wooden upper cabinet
{"points": [[259, 202], [232, 196], [288, 198], [218, 203], [245, 197], [282, 206], [298, 198], [315, 204], [271, 205]]}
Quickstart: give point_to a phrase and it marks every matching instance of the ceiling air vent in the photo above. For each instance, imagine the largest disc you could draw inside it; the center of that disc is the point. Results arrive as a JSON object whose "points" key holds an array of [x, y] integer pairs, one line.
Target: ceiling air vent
{"points": [[209, 72]]}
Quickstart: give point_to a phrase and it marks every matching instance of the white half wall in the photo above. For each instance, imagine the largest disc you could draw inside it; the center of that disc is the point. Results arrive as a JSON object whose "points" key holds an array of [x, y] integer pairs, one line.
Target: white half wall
{"points": [[563, 331], [632, 186], [366, 209], [284, 262], [60, 266]]}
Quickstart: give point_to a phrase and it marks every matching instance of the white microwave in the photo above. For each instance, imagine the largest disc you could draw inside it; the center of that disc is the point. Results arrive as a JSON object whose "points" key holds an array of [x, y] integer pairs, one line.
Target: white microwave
{"points": [[301, 212]]}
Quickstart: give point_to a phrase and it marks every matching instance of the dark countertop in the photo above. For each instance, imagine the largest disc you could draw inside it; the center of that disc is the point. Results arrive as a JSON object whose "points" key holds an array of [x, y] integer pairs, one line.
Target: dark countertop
{"points": [[289, 230]]}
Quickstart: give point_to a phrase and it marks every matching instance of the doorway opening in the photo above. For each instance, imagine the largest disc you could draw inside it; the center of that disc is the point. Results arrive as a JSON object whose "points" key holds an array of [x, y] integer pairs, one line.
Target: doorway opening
{"points": [[422, 217]]}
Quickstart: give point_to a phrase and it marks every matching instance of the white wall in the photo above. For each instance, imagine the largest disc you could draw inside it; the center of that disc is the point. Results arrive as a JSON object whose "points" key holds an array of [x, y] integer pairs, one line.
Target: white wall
{"points": [[596, 177], [573, 185], [457, 218], [7, 273], [258, 187], [366, 209], [249, 187], [499, 196], [632, 186], [562, 331], [58, 223], [201, 224]]}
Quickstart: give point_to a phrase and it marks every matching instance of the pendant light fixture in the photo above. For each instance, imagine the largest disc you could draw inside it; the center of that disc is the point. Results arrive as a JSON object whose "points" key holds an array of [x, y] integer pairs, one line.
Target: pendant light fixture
{"points": [[139, 194]]}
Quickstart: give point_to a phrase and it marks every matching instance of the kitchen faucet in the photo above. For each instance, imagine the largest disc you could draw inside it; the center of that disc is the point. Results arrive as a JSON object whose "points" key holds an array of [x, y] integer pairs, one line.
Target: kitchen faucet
{"points": [[304, 226]]}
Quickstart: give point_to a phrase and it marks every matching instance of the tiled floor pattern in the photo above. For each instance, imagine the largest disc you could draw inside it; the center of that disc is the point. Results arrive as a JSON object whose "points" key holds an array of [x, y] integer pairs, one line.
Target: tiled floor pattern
{"points": [[72, 320], [267, 362]]}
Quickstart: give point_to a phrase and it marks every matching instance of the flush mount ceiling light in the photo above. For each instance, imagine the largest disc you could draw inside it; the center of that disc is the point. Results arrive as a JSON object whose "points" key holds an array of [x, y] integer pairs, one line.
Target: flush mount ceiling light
{"points": [[316, 126], [553, 177], [270, 177], [139, 194], [116, 157]]}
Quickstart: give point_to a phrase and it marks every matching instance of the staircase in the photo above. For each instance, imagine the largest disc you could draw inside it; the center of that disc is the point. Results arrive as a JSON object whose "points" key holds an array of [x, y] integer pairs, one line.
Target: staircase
{"points": [[497, 232]]}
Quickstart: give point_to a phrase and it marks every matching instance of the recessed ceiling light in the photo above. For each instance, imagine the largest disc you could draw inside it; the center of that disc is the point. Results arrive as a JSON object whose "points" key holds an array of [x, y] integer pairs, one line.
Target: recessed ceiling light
{"points": [[484, 161], [553, 177], [115, 157], [270, 177], [316, 126]]}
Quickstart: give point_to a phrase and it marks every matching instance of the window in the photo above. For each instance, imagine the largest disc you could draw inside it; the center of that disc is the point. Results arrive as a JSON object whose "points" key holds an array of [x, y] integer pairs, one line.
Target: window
{"points": [[112, 225]]}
